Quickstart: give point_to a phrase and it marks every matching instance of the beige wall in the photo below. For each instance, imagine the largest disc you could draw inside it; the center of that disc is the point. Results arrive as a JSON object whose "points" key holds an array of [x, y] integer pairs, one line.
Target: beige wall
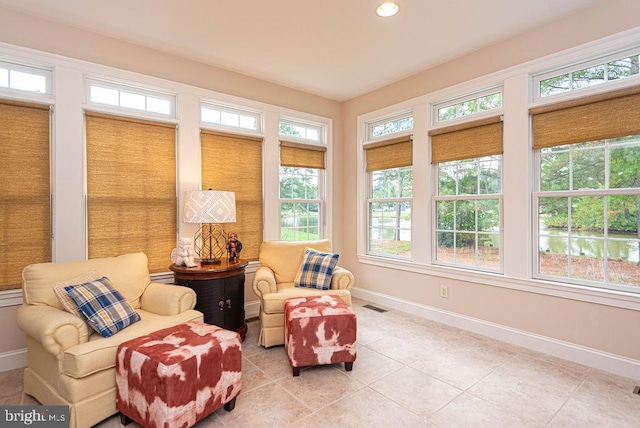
{"points": [[596, 326]]}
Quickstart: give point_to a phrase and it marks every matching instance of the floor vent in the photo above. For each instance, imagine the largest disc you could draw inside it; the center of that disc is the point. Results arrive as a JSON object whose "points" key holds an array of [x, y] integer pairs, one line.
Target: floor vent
{"points": [[375, 308], [636, 390], [252, 319]]}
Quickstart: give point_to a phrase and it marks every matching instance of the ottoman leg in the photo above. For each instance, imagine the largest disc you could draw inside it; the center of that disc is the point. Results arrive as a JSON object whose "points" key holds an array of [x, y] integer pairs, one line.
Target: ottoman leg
{"points": [[296, 371], [124, 419], [230, 405], [348, 366]]}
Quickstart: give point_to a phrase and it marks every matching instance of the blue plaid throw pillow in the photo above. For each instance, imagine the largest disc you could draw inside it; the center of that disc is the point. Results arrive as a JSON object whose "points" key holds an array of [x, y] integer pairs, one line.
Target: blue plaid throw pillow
{"points": [[106, 311], [316, 269]]}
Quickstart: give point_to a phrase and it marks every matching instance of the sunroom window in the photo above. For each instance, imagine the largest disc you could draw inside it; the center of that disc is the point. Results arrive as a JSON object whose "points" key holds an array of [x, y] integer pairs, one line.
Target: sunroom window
{"points": [[468, 201], [587, 203], [390, 172]]}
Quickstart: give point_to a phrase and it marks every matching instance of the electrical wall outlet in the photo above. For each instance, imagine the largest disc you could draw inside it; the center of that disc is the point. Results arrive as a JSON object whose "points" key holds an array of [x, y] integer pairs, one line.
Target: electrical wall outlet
{"points": [[444, 291]]}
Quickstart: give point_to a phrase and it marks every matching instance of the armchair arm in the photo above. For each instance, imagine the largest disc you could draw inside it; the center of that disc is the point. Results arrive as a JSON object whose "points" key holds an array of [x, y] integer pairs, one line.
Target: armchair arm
{"points": [[341, 279], [55, 329], [264, 282], [165, 299]]}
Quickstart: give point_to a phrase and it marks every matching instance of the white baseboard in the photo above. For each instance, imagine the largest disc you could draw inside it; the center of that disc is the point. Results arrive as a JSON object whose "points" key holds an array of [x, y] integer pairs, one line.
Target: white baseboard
{"points": [[252, 309], [612, 363], [13, 360]]}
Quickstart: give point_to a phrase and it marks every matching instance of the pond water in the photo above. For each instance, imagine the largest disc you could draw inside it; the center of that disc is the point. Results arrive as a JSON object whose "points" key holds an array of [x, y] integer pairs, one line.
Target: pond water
{"points": [[591, 244]]}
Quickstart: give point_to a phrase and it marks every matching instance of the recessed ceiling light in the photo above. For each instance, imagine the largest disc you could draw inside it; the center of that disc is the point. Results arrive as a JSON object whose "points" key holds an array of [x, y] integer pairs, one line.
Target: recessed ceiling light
{"points": [[387, 9]]}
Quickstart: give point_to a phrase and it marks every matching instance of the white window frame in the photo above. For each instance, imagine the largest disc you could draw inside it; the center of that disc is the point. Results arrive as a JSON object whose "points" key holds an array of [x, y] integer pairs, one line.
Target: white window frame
{"points": [[600, 60], [467, 197], [255, 115], [320, 201], [435, 108], [393, 200], [47, 73], [127, 87]]}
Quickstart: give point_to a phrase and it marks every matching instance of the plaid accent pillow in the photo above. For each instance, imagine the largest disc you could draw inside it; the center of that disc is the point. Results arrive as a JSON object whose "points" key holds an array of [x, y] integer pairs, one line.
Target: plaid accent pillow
{"points": [[67, 302], [106, 311], [316, 269]]}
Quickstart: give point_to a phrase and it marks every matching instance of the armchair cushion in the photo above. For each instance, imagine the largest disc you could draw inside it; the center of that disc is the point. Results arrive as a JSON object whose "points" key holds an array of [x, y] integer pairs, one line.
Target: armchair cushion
{"points": [[316, 269], [105, 309]]}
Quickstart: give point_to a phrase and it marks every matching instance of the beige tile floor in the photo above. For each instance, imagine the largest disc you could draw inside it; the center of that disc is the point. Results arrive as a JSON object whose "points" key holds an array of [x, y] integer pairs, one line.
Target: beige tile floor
{"points": [[415, 373]]}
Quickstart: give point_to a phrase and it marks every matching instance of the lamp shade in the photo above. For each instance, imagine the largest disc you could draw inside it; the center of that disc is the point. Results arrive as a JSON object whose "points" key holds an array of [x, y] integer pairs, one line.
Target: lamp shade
{"points": [[209, 206]]}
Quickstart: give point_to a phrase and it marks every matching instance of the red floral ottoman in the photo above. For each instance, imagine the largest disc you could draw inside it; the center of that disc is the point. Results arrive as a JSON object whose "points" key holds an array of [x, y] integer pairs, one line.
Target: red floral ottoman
{"points": [[177, 376], [319, 330]]}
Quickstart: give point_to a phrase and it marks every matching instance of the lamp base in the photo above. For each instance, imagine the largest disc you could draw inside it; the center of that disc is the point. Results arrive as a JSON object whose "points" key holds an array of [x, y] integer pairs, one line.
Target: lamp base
{"points": [[210, 243]]}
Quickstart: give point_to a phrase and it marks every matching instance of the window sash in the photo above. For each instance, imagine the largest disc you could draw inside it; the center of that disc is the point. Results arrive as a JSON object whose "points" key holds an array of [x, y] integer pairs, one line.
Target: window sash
{"points": [[25, 208], [131, 188], [244, 178]]}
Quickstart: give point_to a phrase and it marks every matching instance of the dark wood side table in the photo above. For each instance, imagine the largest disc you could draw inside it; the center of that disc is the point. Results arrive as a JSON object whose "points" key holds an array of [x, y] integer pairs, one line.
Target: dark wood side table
{"points": [[220, 292]]}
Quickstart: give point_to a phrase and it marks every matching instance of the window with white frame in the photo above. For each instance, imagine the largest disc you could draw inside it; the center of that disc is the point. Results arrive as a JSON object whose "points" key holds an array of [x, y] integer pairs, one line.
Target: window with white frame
{"points": [[231, 117], [390, 196], [587, 74], [480, 102], [25, 78], [468, 200], [587, 198], [130, 97], [301, 130], [302, 172], [390, 125]]}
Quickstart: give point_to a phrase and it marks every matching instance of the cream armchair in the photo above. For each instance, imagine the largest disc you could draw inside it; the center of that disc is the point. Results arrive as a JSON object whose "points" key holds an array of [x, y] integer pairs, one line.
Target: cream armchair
{"points": [[273, 284], [68, 362]]}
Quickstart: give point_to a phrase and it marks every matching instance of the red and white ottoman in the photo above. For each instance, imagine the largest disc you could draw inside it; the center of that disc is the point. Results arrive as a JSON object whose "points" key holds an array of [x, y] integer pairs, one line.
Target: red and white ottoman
{"points": [[179, 375], [319, 330]]}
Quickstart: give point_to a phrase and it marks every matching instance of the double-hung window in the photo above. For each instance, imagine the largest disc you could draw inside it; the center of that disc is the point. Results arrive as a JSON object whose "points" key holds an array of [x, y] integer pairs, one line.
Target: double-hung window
{"points": [[302, 167], [389, 164], [468, 199], [587, 198]]}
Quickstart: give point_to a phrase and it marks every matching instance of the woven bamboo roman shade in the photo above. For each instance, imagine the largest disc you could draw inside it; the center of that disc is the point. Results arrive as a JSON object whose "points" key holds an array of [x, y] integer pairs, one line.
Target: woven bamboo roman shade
{"points": [[131, 188], [390, 153], [609, 115], [468, 140], [234, 163], [25, 225], [299, 155]]}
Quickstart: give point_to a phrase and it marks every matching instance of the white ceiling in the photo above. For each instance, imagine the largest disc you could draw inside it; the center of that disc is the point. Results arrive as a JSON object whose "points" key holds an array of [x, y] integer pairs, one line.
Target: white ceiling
{"points": [[338, 49]]}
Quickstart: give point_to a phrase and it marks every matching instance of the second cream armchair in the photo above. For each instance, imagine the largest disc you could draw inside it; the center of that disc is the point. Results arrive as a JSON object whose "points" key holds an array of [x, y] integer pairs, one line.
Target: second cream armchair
{"points": [[274, 283]]}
